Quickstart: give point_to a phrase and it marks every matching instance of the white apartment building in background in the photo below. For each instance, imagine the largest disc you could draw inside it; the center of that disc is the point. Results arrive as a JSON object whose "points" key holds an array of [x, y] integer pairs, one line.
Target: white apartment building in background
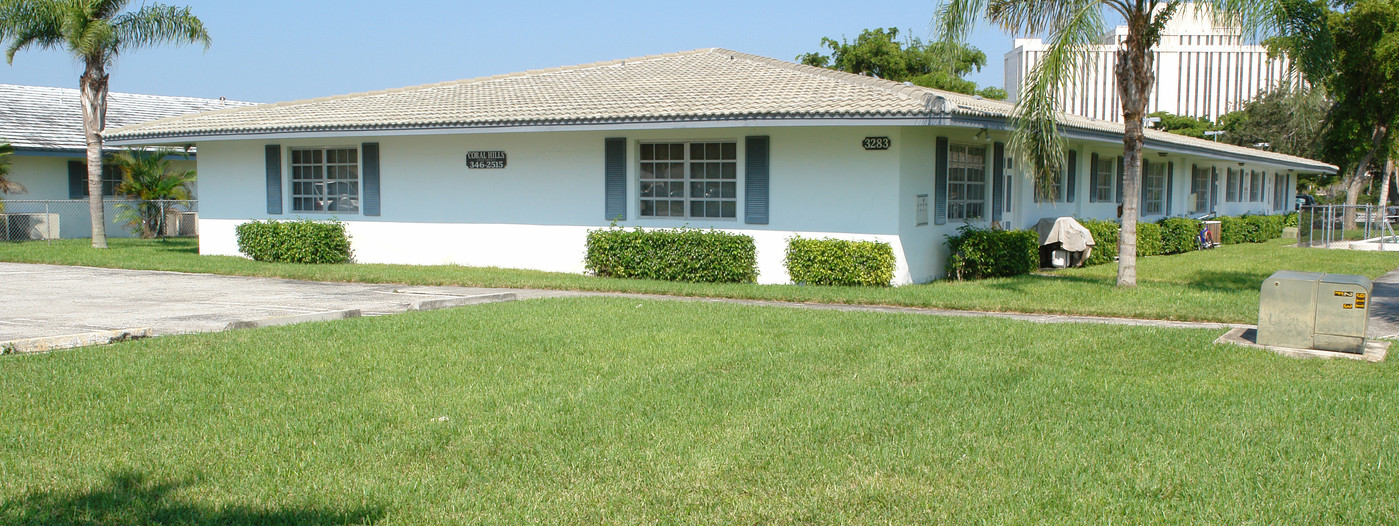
{"points": [[1202, 70]]}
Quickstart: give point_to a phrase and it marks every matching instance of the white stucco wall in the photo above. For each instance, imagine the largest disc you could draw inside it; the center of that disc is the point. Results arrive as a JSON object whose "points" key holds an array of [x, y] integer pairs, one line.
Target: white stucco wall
{"points": [[536, 212], [42, 177]]}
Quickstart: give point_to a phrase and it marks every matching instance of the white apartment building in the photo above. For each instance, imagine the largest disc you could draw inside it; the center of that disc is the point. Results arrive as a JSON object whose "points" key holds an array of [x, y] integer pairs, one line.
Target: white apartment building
{"points": [[1202, 70]]}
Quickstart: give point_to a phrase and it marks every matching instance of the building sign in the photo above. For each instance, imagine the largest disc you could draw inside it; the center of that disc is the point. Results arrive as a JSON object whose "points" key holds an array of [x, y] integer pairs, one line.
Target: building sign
{"points": [[876, 143], [491, 159]]}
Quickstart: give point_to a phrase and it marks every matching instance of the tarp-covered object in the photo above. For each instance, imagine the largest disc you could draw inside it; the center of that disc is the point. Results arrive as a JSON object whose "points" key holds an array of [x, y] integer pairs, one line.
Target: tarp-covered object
{"points": [[1068, 234]]}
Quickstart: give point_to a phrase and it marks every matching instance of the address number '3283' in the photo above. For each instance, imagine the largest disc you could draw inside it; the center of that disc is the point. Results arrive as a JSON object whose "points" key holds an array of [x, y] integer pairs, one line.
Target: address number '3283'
{"points": [[876, 143]]}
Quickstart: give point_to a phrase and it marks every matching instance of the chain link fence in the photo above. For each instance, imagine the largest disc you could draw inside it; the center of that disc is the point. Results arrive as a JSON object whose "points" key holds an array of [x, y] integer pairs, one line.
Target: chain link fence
{"points": [[33, 220], [1347, 226]]}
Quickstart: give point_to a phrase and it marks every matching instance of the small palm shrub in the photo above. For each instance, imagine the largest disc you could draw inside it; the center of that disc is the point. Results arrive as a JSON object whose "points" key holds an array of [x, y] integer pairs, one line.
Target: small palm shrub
{"points": [[147, 178]]}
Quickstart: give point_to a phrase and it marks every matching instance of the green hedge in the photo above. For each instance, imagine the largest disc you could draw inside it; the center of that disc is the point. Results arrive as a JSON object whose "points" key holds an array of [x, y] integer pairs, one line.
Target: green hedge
{"points": [[1105, 234], [300, 241], [840, 262], [976, 253], [1289, 219], [1148, 239], [1232, 230], [680, 254], [1179, 235], [1271, 226]]}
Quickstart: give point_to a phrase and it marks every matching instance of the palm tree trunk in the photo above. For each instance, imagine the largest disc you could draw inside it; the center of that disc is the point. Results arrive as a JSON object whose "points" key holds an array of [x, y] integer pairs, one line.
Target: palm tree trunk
{"points": [[94, 95], [1134, 79]]}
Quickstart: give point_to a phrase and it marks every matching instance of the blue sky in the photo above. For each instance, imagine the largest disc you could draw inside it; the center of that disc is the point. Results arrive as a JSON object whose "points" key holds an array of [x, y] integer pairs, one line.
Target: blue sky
{"points": [[267, 51]]}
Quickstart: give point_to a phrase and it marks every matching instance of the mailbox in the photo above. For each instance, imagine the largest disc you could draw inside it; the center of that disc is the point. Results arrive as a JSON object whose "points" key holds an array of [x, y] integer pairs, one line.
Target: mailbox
{"points": [[1307, 310]]}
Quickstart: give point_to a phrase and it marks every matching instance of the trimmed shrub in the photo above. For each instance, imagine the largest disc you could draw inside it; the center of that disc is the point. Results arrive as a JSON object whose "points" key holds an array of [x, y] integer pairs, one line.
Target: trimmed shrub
{"points": [[1232, 230], [840, 262], [1255, 229], [299, 241], [1179, 235], [1148, 239], [976, 253], [1272, 226], [679, 254], [1289, 219], [1105, 234]]}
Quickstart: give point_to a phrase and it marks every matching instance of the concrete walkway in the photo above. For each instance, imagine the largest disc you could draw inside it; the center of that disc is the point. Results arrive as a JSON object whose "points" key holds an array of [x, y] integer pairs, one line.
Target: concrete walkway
{"points": [[44, 301], [1384, 307]]}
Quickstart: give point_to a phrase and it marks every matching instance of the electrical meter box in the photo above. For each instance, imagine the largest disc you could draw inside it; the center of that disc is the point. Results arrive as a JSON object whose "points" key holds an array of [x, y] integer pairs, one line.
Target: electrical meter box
{"points": [[1307, 310]]}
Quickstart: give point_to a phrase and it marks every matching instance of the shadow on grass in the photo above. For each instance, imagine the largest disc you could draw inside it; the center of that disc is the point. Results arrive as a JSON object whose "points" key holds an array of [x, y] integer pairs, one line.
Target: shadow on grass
{"points": [[178, 246], [1226, 281], [130, 498], [1031, 282]]}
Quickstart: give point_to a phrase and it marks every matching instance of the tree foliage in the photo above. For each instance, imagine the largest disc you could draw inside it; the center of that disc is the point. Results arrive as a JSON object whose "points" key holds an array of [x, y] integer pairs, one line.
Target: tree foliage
{"points": [[880, 52], [1182, 124], [1283, 120], [1353, 54]]}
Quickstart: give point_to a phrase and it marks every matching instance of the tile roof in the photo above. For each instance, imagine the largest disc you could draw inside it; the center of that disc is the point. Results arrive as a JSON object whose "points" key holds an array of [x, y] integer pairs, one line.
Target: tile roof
{"points": [[700, 85], [43, 118]]}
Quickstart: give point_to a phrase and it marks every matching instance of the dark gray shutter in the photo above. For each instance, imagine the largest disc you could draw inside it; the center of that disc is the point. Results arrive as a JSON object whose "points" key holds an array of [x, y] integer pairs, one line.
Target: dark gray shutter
{"points": [[940, 182], [755, 177], [1141, 204], [1072, 185], [998, 170], [1170, 185], [614, 155], [369, 180], [274, 179], [1093, 178], [1121, 175], [1214, 189], [77, 179]]}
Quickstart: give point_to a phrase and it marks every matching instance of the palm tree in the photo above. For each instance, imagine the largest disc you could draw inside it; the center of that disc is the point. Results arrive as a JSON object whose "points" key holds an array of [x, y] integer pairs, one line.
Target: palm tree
{"points": [[147, 177], [6, 185], [1072, 27], [95, 32]]}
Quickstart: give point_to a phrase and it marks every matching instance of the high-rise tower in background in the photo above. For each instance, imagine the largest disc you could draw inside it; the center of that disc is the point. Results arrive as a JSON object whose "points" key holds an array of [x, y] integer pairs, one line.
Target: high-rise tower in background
{"points": [[1202, 70]]}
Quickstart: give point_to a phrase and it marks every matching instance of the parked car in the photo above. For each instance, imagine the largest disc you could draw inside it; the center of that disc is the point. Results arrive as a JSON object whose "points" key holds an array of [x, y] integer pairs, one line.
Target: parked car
{"points": [[1305, 200]]}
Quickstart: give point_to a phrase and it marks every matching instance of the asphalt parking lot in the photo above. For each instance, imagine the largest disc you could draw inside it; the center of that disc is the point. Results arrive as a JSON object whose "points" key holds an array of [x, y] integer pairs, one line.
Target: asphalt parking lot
{"points": [[51, 300]]}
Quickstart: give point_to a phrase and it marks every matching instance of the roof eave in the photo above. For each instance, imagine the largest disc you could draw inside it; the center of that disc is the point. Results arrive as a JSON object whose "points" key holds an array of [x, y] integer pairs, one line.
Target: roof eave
{"points": [[994, 122]]}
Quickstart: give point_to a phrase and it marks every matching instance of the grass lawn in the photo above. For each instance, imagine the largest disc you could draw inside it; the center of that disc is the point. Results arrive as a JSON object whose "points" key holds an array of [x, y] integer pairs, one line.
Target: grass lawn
{"points": [[606, 410], [1215, 285]]}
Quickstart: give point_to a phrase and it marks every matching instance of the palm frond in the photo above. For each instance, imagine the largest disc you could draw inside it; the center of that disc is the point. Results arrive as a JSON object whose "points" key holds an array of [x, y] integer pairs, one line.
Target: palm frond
{"points": [[1037, 141], [155, 24], [6, 185], [107, 9], [952, 23], [30, 23]]}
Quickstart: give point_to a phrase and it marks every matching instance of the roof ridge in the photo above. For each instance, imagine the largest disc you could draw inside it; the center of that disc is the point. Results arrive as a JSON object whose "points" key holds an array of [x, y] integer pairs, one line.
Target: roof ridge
{"points": [[75, 91], [431, 85], [905, 89]]}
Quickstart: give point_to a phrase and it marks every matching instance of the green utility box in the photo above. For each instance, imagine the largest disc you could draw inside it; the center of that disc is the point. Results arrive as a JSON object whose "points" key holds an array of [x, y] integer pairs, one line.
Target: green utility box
{"points": [[1307, 310]]}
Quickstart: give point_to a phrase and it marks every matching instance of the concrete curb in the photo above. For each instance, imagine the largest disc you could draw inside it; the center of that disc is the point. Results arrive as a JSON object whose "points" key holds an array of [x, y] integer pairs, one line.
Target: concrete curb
{"points": [[1375, 350], [299, 318], [443, 303], [68, 341]]}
